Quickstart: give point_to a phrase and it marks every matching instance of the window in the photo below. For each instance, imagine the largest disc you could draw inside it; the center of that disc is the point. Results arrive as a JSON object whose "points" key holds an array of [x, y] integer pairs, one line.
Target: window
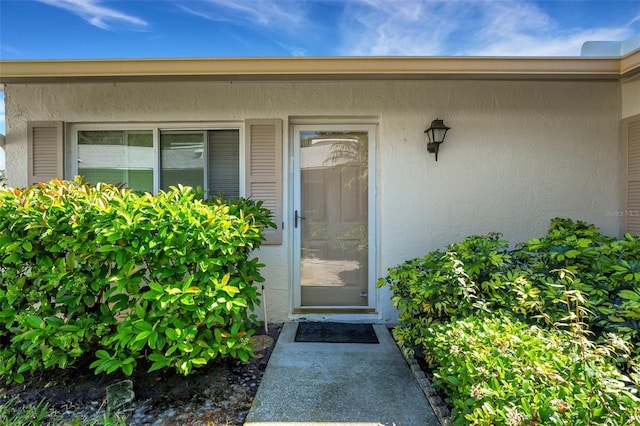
{"points": [[207, 158], [147, 157], [117, 156], [182, 159]]}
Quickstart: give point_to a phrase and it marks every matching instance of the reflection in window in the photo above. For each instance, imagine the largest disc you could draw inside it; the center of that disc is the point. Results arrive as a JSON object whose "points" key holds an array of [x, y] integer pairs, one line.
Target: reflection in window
{"points": [[207, 158], [188, 156], [182, 159], [119, 157], [334, 201]]}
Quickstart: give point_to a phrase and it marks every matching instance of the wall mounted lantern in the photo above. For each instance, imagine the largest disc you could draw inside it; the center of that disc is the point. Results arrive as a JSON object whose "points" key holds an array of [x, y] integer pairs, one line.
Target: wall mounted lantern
{"points": [[436, 134]]}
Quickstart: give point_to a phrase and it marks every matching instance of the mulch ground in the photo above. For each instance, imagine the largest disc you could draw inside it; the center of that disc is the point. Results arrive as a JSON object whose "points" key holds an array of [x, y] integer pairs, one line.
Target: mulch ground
{"points": [[219, 393]]}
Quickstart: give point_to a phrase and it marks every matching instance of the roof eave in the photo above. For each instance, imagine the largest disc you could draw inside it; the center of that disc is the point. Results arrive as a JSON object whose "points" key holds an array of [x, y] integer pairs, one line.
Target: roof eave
{"points": [[297, 68], [630, 64]]}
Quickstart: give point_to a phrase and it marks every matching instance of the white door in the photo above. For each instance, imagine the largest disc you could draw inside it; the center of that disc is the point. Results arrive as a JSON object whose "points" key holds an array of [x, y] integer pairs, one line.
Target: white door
{"points": [[333, 218]]}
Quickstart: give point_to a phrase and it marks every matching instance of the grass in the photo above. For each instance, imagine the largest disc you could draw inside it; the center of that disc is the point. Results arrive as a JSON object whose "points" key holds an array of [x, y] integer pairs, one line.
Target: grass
{"points": [[37, 415], [33, 416]]}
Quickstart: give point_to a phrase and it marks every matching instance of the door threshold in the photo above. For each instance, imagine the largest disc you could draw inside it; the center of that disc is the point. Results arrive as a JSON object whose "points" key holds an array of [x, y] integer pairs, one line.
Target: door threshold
{"points": [[298, 311]]}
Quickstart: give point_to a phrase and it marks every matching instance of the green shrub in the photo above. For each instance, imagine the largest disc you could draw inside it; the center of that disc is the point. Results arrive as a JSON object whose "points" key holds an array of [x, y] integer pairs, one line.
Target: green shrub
{"points": [[499, 370], [607, 271], [167, 277], [480, 275], [444, 285], [551, 292]]}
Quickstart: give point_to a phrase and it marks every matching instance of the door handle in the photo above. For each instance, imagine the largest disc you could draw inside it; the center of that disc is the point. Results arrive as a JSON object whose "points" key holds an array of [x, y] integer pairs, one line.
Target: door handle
{"points": [[295, 219]]}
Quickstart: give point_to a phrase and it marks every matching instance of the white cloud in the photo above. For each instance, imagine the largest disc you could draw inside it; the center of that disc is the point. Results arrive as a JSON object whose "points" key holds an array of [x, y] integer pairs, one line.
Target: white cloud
{"points": [[522, 29], [97, 15], [549, 45], [7, 50], [396, 28], [478, 28], [271, 14]]}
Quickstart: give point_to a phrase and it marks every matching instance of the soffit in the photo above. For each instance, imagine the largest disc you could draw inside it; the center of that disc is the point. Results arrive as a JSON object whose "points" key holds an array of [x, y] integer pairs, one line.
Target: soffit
{"points": [[336, 68]]}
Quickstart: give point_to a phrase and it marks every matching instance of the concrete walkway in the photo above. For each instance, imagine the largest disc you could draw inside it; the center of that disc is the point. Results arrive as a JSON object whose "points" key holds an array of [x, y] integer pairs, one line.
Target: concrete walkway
{"points": [[339, 384]]}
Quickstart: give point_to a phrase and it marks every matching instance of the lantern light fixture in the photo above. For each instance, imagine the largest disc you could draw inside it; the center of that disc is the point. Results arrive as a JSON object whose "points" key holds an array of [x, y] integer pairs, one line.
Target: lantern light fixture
{"points": [[436, 134]]}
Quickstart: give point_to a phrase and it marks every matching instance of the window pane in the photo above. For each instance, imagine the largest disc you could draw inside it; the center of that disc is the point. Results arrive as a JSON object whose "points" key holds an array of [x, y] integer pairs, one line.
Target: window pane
{"points": [[182, 159], [224, 163], [117, 157]]}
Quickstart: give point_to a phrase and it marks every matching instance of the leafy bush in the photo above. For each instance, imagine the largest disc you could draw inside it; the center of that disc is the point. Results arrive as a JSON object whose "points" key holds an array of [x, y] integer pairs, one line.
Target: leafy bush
{"points": [[167, 277], [480, 275], [607, 271], [540, 302], [506, 372], [444, 285]]}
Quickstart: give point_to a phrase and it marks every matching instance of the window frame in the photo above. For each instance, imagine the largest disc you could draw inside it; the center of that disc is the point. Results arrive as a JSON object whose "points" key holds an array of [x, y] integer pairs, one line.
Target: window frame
{"points": [[156, 128]]}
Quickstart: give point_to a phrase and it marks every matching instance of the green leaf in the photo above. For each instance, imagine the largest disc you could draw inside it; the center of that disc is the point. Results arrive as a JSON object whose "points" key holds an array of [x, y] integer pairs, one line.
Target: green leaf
{"points": [[102, 354], [111, 366], [121, 258], [235, 328], [24, 368], [156, 287], [142, 326], [198, 361], [151, 295], [572, 254], [35, 321], [12, 246], [243, 355], [230, 290], [629, 295], [153, 339], [127, 369], [158, 365], [143, 335]]}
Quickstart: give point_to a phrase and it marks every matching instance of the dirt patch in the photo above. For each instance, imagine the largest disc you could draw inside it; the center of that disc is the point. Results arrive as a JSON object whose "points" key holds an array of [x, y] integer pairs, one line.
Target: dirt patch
{"points": [[219, 393]]}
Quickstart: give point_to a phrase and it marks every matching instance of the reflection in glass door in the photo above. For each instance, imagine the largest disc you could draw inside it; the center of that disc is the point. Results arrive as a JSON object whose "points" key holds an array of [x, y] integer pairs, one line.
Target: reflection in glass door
{"points": [[332, 218]]}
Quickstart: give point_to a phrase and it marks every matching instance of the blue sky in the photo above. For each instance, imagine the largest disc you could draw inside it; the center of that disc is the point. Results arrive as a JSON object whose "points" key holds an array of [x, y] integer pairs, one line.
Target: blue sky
{"points": [[47, 29], [74, 29]]}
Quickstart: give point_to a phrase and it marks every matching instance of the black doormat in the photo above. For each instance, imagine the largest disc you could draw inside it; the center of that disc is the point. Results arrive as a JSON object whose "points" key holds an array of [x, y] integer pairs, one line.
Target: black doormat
{"points": [[335, 332]]}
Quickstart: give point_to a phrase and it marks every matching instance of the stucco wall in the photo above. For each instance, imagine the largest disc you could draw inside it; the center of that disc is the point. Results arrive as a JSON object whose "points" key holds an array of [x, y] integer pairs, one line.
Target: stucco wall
{"points": [[631, 98], [518, 154]]}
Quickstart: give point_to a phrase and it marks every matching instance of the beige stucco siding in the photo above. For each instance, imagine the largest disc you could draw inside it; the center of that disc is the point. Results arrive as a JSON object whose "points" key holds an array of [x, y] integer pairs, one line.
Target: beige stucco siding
{"points": [[518, 154]]}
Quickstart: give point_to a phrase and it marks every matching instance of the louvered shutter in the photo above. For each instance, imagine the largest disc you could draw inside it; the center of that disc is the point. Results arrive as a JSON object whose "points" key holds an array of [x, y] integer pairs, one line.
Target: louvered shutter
{"points": [[44, 151], [631, 170], [263, 151]]}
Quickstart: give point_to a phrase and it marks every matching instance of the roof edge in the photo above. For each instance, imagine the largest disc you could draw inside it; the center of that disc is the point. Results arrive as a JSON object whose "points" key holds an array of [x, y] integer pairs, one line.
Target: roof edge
{"points": [[630, 64], [42, 71]]}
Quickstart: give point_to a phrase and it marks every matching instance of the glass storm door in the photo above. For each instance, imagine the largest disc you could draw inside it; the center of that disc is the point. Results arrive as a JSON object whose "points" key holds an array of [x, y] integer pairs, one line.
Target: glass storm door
{"points": [[331, 216]]}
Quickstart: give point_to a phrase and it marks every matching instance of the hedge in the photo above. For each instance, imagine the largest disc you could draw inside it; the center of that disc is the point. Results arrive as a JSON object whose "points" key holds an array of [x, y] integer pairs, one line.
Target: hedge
{"points": [[121, 275]]}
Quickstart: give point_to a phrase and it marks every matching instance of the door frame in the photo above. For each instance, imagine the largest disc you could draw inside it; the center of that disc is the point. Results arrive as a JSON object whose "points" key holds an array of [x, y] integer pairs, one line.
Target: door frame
{"points": [[372, 300]]}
